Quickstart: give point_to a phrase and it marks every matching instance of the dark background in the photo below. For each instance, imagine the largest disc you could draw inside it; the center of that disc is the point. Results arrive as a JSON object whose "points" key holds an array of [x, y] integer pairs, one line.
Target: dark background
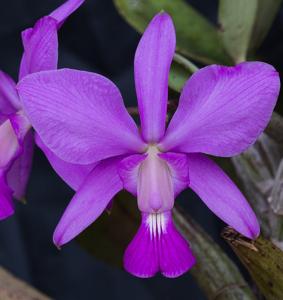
{"points": [[97, 39]]}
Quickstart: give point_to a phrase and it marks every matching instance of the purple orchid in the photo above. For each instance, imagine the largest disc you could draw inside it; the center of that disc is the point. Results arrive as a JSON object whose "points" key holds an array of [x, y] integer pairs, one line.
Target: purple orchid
{"points": [[16, 139], [99, 150]]}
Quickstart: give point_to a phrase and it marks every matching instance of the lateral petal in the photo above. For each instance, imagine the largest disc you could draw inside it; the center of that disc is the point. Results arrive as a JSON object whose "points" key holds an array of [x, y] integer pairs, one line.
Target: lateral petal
{"points": [[222, 110], [79, 115]]}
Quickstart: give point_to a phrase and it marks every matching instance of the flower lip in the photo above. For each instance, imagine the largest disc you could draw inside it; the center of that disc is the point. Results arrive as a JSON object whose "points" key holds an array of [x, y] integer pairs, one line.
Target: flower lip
{"points": [[154, 185], [158, 247]]}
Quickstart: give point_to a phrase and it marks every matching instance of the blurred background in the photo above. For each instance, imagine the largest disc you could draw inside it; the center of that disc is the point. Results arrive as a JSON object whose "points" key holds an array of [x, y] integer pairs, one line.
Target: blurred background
{"points": [[97, 39]]}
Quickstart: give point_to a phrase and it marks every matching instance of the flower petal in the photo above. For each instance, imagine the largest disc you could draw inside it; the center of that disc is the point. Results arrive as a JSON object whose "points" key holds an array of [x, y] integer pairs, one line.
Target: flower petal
{"points": [[65, 10], [175, 254], [41, 42], [221, 195], [12, 134], [73, 174], [40, 47], [158, 246], [20, 124], [179, 168], [79, 115], [6, 201], [18, 175], [9, 99], [9, 144], [15, 156], [89, 202], [128, 170], [152, 63], [223, 110], [143, 175]]}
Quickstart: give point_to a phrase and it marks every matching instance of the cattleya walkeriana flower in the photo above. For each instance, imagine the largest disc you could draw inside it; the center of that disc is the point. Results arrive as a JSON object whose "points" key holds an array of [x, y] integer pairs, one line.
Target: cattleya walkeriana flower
{"points": [[80, 117], [16, 139]]}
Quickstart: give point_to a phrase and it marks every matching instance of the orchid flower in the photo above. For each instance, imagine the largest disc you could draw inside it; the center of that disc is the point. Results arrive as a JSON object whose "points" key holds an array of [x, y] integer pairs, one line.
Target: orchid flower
{"points": [[16, 139], [94, 144]]}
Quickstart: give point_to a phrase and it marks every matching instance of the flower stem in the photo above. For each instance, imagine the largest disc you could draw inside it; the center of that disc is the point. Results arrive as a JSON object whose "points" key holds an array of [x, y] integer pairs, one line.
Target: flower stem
{"points": [[184, 62]]}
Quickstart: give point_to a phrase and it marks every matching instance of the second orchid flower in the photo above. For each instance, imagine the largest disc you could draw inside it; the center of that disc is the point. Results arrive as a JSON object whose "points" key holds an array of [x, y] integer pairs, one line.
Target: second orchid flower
{"points": [[16, 138]]}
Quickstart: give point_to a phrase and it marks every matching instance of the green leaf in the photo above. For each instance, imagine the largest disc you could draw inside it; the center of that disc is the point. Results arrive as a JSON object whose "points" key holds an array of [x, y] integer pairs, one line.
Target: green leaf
{"points": [[244, 24], [266, 12], [236, 20], [217, 276], [196, 37], [263, 260], [180, 71]]}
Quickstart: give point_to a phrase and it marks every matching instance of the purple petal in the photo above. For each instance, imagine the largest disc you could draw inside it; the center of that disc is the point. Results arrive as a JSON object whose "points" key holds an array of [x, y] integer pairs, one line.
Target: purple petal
{"points": [[40, 47], [140, 171], [12, 134], [154, 174], [221, 195], [141, 256], [19, 172], [79, 115], [6, 201], [65, 10], [15, 154], [20, 124], [73, 174], [90, 201], [128, 170], [158, 246], [41, 42], [152, 63], [10, 145], [3, 118], [223, 110], [9, 99], [179, 168], [175, 255]]}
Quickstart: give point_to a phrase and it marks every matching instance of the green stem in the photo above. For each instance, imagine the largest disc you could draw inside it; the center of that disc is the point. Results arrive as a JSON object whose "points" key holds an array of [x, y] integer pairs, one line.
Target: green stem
{"points": [[184, 62]]}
